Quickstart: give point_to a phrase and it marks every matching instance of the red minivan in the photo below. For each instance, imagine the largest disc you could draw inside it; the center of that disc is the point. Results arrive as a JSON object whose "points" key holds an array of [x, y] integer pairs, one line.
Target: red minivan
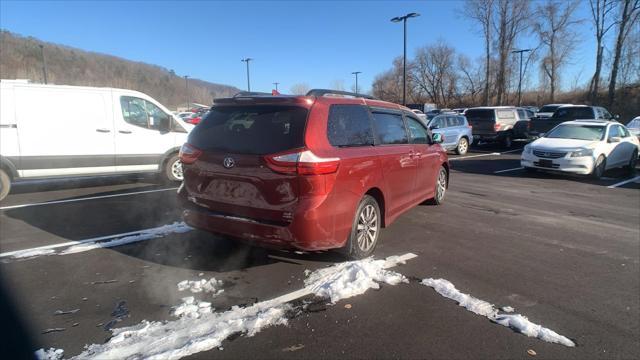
{"points": [[314, 172]]}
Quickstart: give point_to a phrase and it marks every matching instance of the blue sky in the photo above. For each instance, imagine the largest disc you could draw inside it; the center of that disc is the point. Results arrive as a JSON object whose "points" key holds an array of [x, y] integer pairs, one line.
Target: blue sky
{"points": [[291, 41]]}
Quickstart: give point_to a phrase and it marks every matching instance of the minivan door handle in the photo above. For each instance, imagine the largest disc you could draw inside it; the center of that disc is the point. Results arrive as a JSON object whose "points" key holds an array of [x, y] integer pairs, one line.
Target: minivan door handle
{"points": [[103, 130], [124, 131]]}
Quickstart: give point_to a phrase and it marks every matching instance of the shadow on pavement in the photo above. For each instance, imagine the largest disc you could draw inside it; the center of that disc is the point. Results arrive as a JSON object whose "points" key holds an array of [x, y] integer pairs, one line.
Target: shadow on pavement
{"points": [[44, 185]]}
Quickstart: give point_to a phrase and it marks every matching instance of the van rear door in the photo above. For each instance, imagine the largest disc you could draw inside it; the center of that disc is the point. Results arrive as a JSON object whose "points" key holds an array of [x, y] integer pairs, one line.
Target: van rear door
{"points": [[482, 120], [64, 131], [247, 167]]}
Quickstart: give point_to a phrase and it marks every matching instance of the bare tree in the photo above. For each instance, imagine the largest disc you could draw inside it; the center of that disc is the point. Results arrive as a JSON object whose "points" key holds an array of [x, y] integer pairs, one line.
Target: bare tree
{"points": [[554, 28], [470, 82], [300, 89], [337, 84], [629, 72], [388, 85], [511, 21], [629, 12], [434, 73], [600, 11], [480, 11]]}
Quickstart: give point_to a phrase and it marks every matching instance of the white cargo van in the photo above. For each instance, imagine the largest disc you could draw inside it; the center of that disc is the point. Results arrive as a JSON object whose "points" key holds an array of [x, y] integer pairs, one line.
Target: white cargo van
{"points": [[54, 131]]}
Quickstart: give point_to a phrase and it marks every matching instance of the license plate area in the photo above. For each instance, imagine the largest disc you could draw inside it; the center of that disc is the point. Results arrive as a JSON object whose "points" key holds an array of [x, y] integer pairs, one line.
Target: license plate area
{"points": [[545, 163]]}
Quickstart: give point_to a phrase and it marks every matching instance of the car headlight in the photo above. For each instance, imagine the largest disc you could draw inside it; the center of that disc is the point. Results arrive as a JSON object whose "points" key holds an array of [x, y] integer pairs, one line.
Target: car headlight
{"points": [[527, 149], [582, 152]]}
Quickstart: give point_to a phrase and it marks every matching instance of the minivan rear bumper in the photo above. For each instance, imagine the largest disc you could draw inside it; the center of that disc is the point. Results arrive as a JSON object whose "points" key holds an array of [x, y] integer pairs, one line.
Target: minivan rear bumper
{"points": [[311, 229]]}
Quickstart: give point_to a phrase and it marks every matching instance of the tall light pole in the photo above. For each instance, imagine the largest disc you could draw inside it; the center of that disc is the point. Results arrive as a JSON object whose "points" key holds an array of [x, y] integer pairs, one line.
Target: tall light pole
{"points": [[276, 84], [404, 56], [246, 60], [44, 64], [522, 51], [186, 90], [356, 74]]}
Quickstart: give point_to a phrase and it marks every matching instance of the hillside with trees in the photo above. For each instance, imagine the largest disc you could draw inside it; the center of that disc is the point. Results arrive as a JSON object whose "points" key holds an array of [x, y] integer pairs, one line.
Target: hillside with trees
{"points": [[21, 58]]}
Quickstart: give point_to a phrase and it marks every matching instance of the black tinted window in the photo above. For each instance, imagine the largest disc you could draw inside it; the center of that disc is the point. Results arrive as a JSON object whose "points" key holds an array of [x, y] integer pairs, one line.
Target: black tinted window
{"points": [[349, 125], [549, 108], [574, 113], [480, 114], [417, 131], [256, 130], [390, 128]]}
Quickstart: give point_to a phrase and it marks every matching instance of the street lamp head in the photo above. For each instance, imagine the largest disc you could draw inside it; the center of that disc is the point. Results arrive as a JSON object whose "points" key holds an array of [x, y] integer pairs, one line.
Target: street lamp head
{"points": [[357, 72], [410, 15], [246, 59], [396, 19]]}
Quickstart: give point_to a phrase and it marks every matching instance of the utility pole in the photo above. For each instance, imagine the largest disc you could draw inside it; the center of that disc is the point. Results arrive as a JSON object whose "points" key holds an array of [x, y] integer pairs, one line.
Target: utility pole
{"points": [[246, 60], [186, 89], [520, 78], [276, 84], [356, 74], [44, 64], [404, 56]]}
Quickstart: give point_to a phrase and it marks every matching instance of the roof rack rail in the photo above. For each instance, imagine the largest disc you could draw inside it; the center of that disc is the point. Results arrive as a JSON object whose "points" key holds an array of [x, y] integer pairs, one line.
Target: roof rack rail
{"points": [[322, 92], [251, 94]]}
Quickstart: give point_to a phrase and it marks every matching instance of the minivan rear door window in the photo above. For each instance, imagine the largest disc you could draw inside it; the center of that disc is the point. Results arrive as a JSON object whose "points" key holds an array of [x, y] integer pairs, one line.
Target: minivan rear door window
{"points": [[256, 130], [349, 125]]}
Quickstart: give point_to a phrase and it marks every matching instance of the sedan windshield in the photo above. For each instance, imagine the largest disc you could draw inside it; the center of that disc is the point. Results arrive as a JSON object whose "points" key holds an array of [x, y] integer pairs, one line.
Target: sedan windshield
{"points": [[578, 132]]}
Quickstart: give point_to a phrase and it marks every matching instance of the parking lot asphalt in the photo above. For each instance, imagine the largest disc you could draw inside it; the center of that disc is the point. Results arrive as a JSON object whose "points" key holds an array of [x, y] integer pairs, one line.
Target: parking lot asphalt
{"points": [[563, 251]]}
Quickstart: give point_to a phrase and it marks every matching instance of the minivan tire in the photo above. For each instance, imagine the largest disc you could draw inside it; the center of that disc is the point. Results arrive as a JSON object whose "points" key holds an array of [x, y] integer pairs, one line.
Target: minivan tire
{"points": [[5, 184], [463, 146], [173, 169], [441, 187], [507, 142], [599, 167], [366, 224]]}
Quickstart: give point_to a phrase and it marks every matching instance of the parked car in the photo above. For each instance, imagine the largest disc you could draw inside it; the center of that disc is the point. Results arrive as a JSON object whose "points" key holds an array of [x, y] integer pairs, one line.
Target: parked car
{"points": [[309, 172], [583, 147], [634, 126], [522, 126], [548, 110], [420, 114], [185, 115], [493, 123], [456, 132], [109, 131], [564, 113]]}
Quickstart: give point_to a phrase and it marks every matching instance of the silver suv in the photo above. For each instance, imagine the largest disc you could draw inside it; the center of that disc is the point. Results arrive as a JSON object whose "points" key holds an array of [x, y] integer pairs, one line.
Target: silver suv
{"points": [[493, 123], [455, 130]]}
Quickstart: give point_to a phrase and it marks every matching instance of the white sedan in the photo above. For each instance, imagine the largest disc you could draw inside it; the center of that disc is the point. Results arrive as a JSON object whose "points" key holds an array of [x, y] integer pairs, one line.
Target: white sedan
{"points": [[586, 147]]}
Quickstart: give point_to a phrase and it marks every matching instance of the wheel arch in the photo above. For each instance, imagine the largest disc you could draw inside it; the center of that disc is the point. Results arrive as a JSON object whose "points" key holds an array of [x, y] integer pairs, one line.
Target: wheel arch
{"points": [[8, 167], [377, 194], [165, 157]]}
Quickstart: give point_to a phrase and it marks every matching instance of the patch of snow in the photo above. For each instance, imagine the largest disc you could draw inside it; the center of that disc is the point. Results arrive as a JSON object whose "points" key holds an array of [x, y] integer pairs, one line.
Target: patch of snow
{"points": [[197, 286], [175, 228], [516, 322], [192, 308], [352, 278], [34, 252], [508, 309], [50, 354]]}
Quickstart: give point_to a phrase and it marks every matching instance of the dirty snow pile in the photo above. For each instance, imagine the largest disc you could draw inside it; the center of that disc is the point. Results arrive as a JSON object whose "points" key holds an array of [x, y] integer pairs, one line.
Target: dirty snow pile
{"points": [[185, 336], [352, 278], [32, 253], [516, 322], [51, 354], [208, 286], [192, 308], [175, 228]]}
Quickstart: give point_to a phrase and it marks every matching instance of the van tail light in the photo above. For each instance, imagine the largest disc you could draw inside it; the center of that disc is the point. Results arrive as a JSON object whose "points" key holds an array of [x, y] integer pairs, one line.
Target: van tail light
{"points": [[189, 153], [302, 162], [496, 127], [470, 127]]}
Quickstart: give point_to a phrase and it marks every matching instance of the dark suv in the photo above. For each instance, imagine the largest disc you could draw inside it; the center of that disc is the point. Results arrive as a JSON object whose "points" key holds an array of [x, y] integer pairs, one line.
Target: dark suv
{"points": [[538, 126], [309, 172]]}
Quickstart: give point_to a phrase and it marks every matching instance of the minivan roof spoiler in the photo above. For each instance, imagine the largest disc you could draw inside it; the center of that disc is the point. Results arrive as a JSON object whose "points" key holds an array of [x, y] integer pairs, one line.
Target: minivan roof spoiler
{"points": [[323, 92]]}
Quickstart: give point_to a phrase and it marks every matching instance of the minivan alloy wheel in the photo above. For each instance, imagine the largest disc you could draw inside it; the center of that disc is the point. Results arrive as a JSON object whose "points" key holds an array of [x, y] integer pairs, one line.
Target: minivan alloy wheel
{"points": [[367, 229], [441, 186], [176, 169]]}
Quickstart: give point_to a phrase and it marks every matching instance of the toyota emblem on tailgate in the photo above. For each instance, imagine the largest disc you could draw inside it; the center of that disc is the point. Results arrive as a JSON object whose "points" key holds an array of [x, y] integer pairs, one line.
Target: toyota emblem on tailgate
{"points": [[228, 162]]}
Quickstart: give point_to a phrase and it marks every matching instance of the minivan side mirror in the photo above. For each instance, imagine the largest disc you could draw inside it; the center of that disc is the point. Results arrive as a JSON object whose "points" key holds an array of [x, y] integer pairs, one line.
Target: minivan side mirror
{"points": [[437, 138]]}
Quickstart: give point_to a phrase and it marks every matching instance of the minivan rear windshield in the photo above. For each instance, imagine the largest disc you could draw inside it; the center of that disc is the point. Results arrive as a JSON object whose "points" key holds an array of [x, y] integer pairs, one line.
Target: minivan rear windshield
{"points": [[258, 130], [480, 114]]}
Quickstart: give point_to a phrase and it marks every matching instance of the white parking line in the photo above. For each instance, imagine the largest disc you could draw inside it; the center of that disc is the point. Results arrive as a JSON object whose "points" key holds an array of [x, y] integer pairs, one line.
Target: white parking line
{"points": [[510, 151], [635, 179], [474, 156], [507, 170], [84, 199]]}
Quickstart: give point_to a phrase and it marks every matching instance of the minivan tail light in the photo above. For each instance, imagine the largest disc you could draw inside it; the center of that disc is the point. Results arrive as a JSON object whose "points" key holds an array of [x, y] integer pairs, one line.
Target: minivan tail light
{"points": [[189, 153], [303, 162]]}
